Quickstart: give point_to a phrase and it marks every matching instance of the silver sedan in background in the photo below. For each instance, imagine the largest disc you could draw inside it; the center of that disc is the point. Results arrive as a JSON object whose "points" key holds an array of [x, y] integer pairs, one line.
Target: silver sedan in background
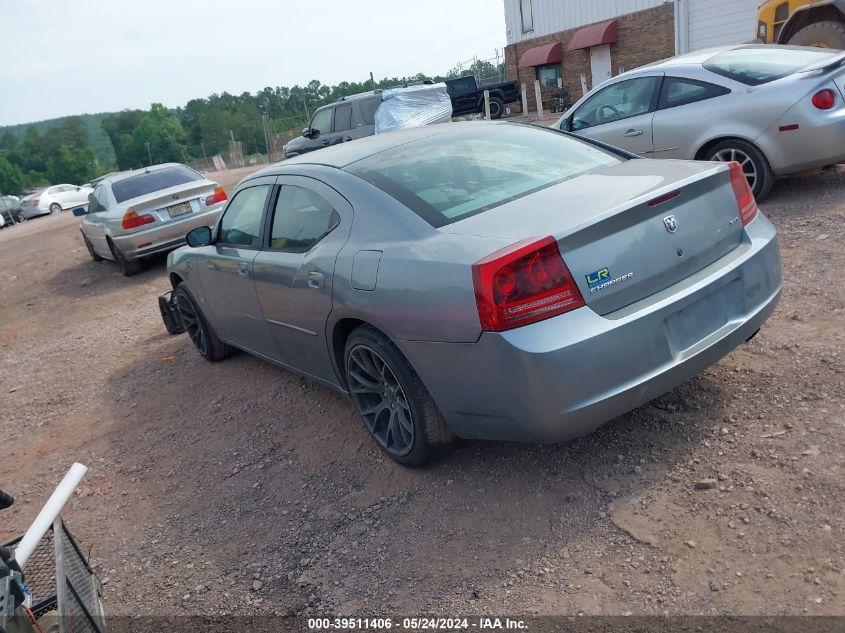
{"points": [[776, 110], [54, 199], [484, 280], [134, 214]]}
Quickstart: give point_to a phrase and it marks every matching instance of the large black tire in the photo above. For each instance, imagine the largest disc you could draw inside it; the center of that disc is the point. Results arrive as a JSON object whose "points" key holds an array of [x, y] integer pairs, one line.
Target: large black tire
{"points": [[90, 248], [403, 419], [497, 107], [753, 162], [202, 335], [55, 208], [826, 34], [128, 267]]}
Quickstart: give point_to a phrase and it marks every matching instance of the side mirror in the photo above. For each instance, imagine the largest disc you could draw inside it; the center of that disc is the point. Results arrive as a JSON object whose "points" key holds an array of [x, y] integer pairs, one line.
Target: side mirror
{"points": [[566, 124], [200, 236], [79, 212], [306, 132]]}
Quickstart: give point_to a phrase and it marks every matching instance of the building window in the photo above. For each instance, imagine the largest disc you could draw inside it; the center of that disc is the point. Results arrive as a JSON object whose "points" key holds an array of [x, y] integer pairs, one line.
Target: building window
{"points": [[527, 16], [548, 75]]}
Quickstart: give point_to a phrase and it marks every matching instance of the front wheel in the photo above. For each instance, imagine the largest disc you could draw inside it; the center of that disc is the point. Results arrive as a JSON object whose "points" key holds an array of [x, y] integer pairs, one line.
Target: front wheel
{"points": [[396, 408], [755, 166], [55, 208]]}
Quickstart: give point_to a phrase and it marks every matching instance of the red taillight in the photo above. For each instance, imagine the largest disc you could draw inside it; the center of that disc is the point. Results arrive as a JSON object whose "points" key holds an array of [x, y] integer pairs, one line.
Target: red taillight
{"points": [[35, 202], [824, 99], [218, 196], [132, 220], [523, 283], [744, 196]]}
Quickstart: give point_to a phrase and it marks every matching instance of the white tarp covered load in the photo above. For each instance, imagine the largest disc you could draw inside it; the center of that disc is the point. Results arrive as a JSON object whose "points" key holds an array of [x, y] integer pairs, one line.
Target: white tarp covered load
{"points": [[413, 106]]}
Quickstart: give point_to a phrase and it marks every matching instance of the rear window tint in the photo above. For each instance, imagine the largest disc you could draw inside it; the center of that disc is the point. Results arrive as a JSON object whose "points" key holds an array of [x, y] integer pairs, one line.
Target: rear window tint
{"points": [[148, 182], [755, 65], [368, 110], [454, 175]]}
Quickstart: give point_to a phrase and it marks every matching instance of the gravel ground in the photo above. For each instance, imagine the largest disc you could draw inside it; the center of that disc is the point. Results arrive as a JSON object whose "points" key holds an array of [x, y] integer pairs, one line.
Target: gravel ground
{"points": [[238, 488]]}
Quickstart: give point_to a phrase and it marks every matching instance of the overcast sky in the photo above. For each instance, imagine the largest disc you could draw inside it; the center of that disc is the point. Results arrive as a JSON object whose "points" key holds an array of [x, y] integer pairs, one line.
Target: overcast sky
{"points": [[60, 57]]}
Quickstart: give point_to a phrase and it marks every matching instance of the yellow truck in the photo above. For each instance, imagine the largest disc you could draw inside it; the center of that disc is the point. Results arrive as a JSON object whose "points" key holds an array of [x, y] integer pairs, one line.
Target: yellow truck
{"points": [[802, 23]]}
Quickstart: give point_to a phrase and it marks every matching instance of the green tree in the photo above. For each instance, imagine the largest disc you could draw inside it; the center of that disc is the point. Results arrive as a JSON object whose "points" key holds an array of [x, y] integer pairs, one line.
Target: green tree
{"points": [[11, 177], [74, 166], [163, 134], [119, 128]]}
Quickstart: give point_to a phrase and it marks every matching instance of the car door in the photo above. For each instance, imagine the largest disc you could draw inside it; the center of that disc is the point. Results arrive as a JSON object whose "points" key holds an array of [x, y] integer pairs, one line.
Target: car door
{"points": [[322, 129], [683, 100], [226, 272], [620, 114], [94, 224], [308, 225]]}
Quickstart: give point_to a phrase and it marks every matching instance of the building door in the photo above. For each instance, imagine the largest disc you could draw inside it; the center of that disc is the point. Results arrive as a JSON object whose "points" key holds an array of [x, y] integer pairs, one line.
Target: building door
{"points": [[600, 63]]}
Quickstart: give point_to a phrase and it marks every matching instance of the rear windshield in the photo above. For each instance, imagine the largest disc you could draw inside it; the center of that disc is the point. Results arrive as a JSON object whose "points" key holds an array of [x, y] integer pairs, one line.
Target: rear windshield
{"points": [[143, 184], [462, 172], [755, 65]]}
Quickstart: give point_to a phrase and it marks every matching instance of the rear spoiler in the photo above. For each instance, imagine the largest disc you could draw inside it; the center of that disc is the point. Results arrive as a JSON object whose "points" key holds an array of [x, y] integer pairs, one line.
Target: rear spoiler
{"points": [[825, 67]]}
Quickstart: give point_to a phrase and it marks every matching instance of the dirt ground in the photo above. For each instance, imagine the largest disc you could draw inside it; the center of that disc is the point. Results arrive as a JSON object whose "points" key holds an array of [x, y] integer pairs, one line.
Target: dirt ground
{"points": [[238, 488]]}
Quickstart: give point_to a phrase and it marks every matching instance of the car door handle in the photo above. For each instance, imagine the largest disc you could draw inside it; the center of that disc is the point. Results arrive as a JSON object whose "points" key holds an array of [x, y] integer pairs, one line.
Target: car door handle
{"points": [[316, 280], [325, 143], [631, 133], [243, 269], [347, 138]]}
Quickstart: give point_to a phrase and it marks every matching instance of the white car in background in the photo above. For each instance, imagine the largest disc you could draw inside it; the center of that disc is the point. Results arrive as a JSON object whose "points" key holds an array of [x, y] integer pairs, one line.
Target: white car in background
{"points": [[54, 199]]}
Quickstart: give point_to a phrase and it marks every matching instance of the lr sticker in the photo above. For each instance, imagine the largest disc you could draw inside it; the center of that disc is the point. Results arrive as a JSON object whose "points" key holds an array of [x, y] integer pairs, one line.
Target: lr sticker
{"points": [[601, 279], [598, 277]]}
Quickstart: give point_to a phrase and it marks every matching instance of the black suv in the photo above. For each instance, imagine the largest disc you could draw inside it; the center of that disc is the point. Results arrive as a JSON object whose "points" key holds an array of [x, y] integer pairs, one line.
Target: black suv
{"points": [[345, 120]]}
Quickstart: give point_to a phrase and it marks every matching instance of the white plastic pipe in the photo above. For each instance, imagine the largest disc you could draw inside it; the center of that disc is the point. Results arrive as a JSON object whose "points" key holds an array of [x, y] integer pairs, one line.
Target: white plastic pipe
{"points": [[49, 513]]}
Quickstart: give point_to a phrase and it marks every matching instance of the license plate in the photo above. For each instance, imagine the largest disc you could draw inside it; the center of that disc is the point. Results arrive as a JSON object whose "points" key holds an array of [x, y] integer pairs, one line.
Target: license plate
{"points": [[176, 210]]}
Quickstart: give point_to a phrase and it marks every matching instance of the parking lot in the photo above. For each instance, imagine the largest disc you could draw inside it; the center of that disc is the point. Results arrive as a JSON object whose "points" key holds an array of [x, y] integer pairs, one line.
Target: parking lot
{"points": [[240, 488]]}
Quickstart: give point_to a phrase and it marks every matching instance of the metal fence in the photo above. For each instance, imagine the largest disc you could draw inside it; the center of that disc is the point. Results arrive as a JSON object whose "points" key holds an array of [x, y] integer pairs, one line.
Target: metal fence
{"points": [[65, 593]]}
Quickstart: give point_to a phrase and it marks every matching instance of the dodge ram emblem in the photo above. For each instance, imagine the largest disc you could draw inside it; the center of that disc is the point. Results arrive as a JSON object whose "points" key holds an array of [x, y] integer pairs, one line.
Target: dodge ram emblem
{"points": [[670, 223]]}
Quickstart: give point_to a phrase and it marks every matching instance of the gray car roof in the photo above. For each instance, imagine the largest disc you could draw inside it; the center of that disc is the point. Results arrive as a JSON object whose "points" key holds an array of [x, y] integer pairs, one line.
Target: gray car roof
{"points": [[344, 154]]}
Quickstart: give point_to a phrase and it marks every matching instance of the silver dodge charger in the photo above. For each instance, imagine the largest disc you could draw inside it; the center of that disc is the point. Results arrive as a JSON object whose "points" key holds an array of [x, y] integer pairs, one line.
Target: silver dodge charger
{"points": [[481, 280]]}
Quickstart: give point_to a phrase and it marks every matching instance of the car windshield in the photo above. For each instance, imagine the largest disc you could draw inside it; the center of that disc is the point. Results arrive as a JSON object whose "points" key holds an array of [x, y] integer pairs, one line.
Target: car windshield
{"points": [[755, 65], [148, 182], [451, 176]]}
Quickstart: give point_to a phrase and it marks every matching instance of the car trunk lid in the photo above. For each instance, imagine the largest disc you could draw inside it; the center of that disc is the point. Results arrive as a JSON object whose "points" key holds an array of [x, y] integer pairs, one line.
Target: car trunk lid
{"points": [[171, 204], [626, 231]]}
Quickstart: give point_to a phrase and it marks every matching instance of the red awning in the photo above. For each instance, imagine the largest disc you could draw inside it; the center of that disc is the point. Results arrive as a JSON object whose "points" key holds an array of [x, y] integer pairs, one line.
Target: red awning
{"points": [[594, 35], [540, 55]]}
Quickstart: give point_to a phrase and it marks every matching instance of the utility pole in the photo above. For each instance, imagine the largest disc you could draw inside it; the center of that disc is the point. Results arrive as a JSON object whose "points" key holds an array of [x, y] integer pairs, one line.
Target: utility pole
{"points": [[266, 125], [149, 154], [372, 81], [203, 150]]}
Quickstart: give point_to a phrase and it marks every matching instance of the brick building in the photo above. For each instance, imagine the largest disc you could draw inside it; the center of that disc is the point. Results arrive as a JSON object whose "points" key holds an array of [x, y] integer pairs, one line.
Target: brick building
{"points": [[584, 42]]}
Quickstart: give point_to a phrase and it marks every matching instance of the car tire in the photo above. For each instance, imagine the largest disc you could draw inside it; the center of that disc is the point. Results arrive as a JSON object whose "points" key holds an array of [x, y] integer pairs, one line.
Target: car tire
{"points": [[369, 358], [55, 208], [826, 34], [752, 160], [91, 251], [202, 335], [128, 267], [497, 107]]}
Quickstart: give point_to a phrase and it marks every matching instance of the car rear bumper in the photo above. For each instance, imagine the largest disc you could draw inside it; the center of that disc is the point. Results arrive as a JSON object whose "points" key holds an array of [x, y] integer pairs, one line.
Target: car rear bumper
{"points": [[819, 141], [564, 377], [33, 212], [161, 238]]}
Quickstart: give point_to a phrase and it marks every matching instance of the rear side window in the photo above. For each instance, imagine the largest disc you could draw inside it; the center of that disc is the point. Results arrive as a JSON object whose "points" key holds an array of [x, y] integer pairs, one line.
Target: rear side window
{"points": [[343, 118], [368, 110], [149, 182], [755, 65], [678, 91], [301, 219], [453, 175]]}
